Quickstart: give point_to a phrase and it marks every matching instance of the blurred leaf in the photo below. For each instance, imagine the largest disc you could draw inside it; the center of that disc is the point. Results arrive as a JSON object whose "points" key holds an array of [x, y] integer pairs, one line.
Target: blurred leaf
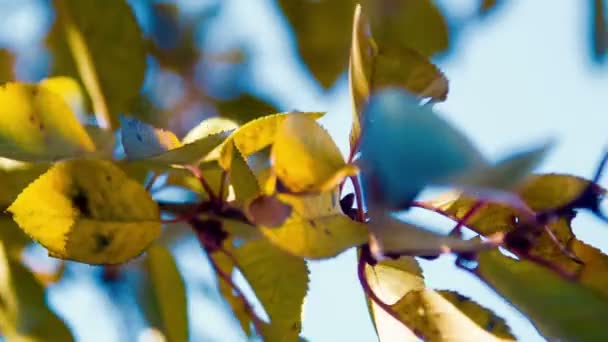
{"points": [[69, 89], [7, 66], [400, 24], [37, 125], [405, 146], [256, 135], [13, 239], [390, 236], [279, 281], [317, 228], [438, 319], [14, 177], [141, 140], [104, 140], [391, 280], [24, 315], [245, 108], [507, 173], [169, 294], [88, 211], [211, 172], [85, 44], [599, 27], [322, 34], [305, 157], [556, 306]]}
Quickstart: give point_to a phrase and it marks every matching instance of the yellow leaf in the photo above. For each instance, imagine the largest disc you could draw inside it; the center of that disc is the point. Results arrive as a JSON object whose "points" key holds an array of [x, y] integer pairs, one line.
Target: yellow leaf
{"points": [[169, 292], [279, 281], [210, 127], [7, 66], [306, 158], [438, 319], [37, 125], [317, 228], [88, 211], [391, 280], [70, 91], [255, 135]]}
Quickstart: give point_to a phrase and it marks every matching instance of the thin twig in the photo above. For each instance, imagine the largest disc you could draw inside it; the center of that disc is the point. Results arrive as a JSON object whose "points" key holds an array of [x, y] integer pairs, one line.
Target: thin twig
{"points": [[199, 175], [560, 246], [257, 323], [223, 182], [463, 221], [151, 182]]}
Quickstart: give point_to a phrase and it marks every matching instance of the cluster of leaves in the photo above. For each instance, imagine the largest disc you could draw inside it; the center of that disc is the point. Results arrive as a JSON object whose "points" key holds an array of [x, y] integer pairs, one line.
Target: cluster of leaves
{"points": [[270, 194]]}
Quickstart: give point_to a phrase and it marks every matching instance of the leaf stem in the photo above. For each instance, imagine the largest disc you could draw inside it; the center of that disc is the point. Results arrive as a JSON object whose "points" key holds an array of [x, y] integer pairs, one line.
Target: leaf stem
{"points": [[199, 175], [463, 221]]}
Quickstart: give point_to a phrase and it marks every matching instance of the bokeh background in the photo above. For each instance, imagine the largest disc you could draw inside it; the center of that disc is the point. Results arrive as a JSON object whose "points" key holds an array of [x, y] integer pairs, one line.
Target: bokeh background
{"points": [[520, 72]]}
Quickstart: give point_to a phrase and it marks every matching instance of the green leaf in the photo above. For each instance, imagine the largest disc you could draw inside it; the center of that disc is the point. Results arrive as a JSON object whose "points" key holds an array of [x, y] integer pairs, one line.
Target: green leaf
{"points": [[169, 293], [305, 157], [405, 146], [322, 34], [317, 228], [14, 177], [98, 51], [438, 319], [37, 125], [279, 281], [88, 211], [24, 315], [211, 172], [7, 66], [507, 173], [256, 135], [392, 236], [188, 154], [400, 23], [375, 67], [242, 179], [391, 280], [555, 305], [244, 108]]}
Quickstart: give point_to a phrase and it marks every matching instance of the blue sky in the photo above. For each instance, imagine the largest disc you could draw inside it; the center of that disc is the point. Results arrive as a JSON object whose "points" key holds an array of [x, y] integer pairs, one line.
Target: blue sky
{"points": [[518, 78]]}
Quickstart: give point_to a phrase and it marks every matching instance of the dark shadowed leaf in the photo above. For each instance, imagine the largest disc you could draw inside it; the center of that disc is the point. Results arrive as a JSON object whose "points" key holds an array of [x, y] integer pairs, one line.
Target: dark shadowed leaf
{"points": [[107, 56], [7, 66]]}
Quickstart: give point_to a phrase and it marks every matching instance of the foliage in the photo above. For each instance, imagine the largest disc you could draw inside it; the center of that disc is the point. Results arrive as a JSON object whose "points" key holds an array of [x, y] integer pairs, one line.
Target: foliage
{"points": [[269, 189]]}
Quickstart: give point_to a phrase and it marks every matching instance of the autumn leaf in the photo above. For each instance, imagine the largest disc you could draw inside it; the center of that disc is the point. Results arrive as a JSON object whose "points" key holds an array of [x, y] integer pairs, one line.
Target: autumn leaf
{"points": [[88, 211]]}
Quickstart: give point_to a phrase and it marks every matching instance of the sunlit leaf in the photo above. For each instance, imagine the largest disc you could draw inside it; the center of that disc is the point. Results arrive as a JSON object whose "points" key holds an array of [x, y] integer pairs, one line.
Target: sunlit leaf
{"points": [[405, 147], [88, 211], [209, 127], [438, 319], [107, 56], [305, 157], [279, 281], [242, 179], [69, 89], [391, 280], [24, 315], [37, 125], [317, 228], [555, 305], [256, 135], [169, 293]]}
